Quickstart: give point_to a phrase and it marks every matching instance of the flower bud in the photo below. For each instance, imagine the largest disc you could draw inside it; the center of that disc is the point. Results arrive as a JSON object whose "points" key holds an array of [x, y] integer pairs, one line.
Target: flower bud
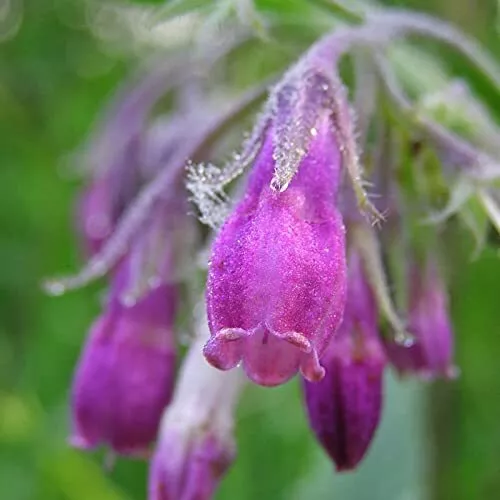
{"points": [[276, 282], [125, 374], [196, 444], [431, 354], [102, 203], [344, 408], [188, 465], [94, 215]]}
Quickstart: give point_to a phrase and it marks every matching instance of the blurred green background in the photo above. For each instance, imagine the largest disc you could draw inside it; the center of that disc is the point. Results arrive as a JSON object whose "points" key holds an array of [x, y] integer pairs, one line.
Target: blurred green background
{"points": [[436, 442]]}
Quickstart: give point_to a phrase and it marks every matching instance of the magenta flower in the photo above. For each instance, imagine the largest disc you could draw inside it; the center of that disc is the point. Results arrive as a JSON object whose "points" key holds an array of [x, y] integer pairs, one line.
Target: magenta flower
{"points": [[431, 355], [196, 446], [188, 467], [344, 408], [95, 216], [276, 282], [125, 374]]}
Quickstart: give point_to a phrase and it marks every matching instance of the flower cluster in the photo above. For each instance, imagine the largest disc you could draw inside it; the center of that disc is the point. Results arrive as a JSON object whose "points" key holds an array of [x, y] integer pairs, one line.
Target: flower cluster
{"points": [[306, 275]]}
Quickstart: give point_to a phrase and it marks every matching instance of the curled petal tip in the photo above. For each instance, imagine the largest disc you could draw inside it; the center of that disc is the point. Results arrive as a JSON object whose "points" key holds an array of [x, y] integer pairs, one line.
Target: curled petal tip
{"points": [[296, 339], [223, 350], [268, 358], [311, 370]]}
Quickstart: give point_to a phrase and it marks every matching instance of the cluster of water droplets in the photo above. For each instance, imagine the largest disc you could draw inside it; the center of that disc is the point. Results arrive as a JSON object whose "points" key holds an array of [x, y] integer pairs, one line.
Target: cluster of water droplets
{"points": [[297, 105], [207, 182]]}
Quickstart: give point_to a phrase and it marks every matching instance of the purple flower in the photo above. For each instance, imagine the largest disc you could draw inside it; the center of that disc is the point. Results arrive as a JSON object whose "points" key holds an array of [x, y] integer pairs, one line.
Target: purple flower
{"points": [[276, 281], [431, 354], [125, 374], [189, 467], [94, 215], [196, 444], [344, 408]]}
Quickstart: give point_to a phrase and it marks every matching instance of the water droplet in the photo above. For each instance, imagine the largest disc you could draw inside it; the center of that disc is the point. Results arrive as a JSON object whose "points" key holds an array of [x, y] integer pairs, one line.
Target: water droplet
{"points": [[128, 299], [154, 282], [314, 132], [453, 372], [275, 185], [109, 461], [54, 287], [404, 339]]}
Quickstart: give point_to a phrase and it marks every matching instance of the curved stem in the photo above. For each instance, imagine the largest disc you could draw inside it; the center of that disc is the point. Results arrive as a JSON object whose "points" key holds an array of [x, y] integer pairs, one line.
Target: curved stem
{"points": [[365, 240], [157, 189], [405, 22], [380, 28], [481, 166]]}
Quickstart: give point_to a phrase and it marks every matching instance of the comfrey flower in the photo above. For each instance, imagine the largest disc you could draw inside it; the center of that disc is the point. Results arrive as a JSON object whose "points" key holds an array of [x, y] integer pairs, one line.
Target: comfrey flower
{"points": [[125, 375], [280, 298], [431, 355], [344, 408], [276, 282], [126, 372], [196, 445]]}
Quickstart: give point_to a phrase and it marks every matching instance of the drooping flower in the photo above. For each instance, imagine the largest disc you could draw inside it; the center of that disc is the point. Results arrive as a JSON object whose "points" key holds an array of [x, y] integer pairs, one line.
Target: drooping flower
{"points": [[276, 282], [189, 467], [125, 375], [344, 408], [431, 354], [196, 444]]}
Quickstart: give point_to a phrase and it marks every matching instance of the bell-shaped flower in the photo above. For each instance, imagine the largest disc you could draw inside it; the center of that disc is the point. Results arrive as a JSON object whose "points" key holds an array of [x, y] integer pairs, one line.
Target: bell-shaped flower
{"points": [[195, 445], [344, 408], [125, 374], [431, 354], [276, 281], [189, 467]]}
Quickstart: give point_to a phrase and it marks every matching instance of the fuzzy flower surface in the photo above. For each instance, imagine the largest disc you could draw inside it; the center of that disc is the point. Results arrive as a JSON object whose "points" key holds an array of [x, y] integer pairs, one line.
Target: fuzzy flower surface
{"points": [[344, 408], [276, 282], [125, 374]]}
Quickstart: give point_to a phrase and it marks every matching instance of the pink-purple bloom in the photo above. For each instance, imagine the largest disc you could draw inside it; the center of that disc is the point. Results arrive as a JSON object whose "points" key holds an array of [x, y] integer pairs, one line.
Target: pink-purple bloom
{"points": [[196, 446], [188, 467], [431, 354], [125, 375], [344, 408], [276, 282]]}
